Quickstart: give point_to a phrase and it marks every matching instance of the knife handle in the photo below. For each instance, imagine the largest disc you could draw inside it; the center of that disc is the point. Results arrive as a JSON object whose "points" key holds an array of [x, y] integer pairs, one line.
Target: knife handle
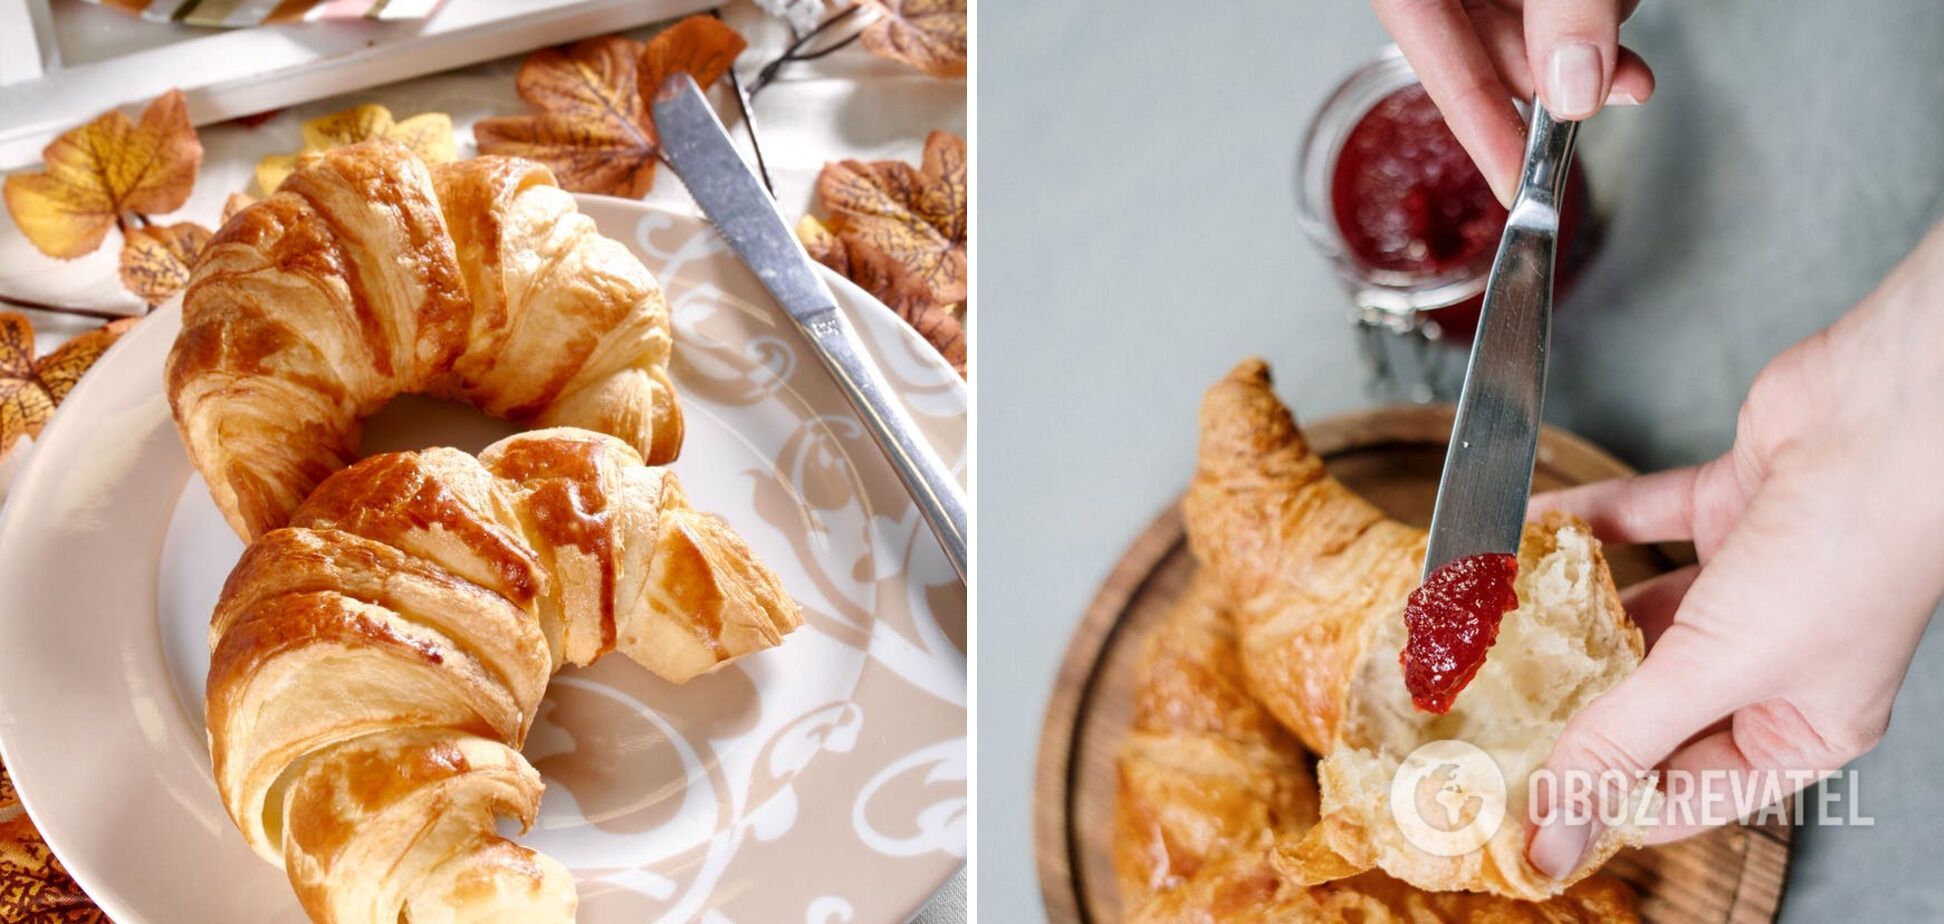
{"points": [[932, 487], [1542, 180]]}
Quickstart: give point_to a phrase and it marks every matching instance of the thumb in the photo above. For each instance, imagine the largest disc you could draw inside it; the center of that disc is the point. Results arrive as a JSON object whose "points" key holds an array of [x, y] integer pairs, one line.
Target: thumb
{"points": [[1612, 744], [1573, 48]]}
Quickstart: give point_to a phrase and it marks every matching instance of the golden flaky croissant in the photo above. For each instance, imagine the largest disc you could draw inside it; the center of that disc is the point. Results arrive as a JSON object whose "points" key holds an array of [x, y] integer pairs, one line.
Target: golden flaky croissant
{"points": [[1318, 577], [376, 665], [1209, 784], [367, 276]]}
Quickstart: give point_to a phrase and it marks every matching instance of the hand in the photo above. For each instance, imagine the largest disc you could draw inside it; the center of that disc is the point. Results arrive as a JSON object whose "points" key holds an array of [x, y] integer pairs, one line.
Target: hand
{"points": [[1476, 56], [1820, 566]]}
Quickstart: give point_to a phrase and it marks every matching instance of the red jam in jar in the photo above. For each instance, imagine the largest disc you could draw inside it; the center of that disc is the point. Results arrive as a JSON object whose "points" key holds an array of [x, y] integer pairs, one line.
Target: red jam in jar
{"points": [[1406, 195], [1451, 621], [1408, 202]]}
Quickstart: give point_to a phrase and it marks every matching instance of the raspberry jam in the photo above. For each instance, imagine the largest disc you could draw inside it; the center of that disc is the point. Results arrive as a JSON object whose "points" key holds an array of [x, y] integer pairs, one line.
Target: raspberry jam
{"points": [[1414, 221], [1451, 620], [1406, 195]]}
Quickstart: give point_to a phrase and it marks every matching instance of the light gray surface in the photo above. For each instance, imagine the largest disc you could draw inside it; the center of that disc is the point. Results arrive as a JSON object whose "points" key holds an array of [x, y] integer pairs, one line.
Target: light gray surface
{"points": [[1138, 235]]}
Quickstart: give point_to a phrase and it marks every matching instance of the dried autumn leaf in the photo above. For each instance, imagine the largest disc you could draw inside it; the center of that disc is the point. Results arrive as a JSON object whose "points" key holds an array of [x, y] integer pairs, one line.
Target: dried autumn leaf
{"points": [[30, 389], [155, 261], [62, 369], [428, 134], [940, 325], [593, 127], [97, 172], [915, 217], [926, 34], [824, 246], [703, 46]]}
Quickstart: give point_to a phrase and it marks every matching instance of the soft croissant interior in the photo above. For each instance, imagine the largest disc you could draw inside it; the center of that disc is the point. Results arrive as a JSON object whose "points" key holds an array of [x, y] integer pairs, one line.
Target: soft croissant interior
{"points": [[1564, 645], [1209, 784]]}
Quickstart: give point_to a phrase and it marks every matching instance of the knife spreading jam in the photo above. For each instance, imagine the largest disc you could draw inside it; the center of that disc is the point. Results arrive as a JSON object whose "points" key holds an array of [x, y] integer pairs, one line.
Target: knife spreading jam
{"points": [[1452, 619]]}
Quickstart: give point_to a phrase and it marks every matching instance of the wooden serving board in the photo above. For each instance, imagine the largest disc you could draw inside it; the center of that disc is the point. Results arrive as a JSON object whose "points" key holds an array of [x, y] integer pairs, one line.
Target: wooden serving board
{"points": [[1392, 456]]}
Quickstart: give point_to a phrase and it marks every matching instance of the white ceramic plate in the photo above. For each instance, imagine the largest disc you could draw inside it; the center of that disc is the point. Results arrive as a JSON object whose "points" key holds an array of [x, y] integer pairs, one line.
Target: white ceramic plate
{"points": [[822, 781]]}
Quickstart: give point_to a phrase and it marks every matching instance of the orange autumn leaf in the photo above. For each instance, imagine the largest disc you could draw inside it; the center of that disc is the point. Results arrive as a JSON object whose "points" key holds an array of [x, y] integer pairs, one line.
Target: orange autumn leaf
{"points": [[593, 126], [926, 34], [941, 325], [95, 173], [914, 216], [155, 261], [30, 389], [703, 46]]}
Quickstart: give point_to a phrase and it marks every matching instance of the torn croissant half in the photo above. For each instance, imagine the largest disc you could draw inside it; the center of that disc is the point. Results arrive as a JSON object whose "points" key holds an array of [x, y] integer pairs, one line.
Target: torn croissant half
{"points": [[1210, 786], [1318, 577], [376, 665]]}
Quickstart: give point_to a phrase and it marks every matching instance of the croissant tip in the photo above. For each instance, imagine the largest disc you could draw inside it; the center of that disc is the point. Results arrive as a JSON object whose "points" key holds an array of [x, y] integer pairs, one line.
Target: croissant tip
{"points": [[1252, 371], [1244, 426]]}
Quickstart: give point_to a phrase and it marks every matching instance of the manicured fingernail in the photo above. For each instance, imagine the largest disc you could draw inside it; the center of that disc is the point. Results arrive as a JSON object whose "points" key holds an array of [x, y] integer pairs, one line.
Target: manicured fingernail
{"points": [[1621, 97], [1559, 845], [1573, 80]]}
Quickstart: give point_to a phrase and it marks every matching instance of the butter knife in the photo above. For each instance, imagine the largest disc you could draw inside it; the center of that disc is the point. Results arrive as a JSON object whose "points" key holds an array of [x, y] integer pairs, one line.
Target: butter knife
{"points": [[1487, 476], [698, 149]]}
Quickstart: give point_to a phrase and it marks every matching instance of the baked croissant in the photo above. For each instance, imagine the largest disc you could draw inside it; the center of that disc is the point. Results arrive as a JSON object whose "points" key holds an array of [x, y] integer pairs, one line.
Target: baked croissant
{"points": [[376, 665], [368, 276], [1318, 577], [1204, 771], [1209, 784]]}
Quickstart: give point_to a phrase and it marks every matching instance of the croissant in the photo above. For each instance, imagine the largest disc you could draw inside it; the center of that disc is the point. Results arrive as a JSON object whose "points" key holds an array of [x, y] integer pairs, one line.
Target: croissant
{"points": [[376, 665], [367, 276], [1318, 577], [1209, 784], [1204, 770]]}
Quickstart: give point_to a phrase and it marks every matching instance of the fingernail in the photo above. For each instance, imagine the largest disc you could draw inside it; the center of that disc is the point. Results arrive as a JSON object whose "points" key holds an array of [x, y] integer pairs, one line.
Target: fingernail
{"points": [[1499, 189], [1559, 844], [1573, 80], [1504, 177], [1622, 98]]}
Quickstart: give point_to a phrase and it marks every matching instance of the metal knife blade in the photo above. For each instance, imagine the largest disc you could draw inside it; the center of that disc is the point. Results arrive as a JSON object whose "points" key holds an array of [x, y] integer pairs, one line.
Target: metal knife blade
{"points": [[699, 150], [1487, 476]]}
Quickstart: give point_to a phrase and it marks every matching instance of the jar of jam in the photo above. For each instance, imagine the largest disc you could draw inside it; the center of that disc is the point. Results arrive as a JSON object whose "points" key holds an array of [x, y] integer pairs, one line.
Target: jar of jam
{"points": [[1389, 195]]}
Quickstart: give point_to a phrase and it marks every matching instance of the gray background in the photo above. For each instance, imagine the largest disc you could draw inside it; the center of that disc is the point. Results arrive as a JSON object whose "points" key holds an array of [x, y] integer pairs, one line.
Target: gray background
{"points": [[1137, 235]]}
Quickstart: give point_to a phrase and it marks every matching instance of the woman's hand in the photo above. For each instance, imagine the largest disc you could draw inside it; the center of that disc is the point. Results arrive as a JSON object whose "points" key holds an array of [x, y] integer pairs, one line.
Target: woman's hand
{"points": [[1475, 56], [1821, 539]]}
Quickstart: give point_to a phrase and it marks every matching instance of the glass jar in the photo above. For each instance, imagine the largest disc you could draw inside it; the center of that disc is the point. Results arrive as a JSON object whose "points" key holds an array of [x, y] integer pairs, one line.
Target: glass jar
{"points": [[1410, 293]]}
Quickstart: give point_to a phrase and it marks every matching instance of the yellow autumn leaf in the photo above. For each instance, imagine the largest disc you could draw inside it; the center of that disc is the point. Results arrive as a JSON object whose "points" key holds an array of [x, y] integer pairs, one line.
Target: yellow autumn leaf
{"points": [[96, 173], [155, 261], [30, 389], [428, 134]]}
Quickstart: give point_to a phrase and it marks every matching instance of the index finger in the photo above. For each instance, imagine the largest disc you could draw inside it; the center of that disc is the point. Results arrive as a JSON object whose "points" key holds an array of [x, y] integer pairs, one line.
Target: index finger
{"points": [[1443, 46]]}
